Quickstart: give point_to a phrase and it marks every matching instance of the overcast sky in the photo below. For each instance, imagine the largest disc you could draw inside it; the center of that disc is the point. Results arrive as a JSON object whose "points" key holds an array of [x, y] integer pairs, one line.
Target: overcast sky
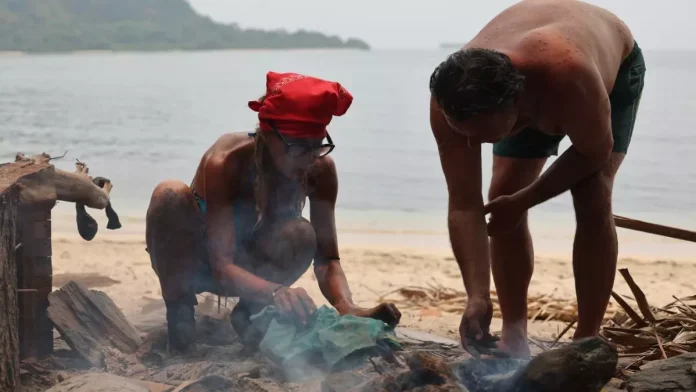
{"points": [[667, 24]]}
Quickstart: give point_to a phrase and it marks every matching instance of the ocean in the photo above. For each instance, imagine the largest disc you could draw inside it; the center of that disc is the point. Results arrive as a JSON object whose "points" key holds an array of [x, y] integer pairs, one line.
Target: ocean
{"points": [[140, 118]]}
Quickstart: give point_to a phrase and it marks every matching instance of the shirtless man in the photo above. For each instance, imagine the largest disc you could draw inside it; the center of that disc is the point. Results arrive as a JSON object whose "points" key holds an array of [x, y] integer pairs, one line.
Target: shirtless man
{"points": [[540, 70], [238, 229]]}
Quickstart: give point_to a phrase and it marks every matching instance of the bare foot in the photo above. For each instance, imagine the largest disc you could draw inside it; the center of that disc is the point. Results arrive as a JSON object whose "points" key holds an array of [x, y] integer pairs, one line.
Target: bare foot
{"points": [[513, 342]]}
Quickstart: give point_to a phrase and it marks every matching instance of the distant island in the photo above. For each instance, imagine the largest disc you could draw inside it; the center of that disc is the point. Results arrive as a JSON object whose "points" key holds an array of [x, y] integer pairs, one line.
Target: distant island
{"points": [[138, 25]]}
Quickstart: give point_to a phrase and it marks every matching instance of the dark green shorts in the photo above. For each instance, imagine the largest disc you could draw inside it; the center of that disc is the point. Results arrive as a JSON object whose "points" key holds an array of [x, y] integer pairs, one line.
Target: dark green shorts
{"points": [[624, 98]]}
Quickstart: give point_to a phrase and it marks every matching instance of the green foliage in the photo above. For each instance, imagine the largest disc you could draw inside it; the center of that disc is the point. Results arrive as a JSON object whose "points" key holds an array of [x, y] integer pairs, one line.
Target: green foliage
{"points": [[72, 25]]}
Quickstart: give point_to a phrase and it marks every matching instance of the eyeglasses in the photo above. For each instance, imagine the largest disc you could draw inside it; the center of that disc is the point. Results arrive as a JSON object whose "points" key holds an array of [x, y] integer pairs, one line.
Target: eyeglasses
{"points": [[297, 150]]}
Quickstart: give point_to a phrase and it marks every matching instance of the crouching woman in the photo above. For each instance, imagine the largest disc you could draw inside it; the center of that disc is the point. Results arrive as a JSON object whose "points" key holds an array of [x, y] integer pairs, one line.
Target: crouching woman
{"points": [[238, 229]]}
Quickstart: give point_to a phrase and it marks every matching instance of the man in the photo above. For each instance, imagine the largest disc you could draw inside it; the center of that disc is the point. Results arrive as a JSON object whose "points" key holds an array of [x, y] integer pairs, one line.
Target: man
{"points": [[540, 70]]}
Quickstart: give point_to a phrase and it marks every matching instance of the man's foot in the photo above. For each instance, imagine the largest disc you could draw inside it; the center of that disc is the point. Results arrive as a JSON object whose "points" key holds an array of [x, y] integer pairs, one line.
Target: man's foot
{"points": [[513, 342], [181, 326]]}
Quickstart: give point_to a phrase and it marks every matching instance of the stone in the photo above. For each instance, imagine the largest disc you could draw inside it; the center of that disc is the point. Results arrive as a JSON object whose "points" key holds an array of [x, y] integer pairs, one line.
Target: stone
{"points": [[585, 365], [672, 374]]}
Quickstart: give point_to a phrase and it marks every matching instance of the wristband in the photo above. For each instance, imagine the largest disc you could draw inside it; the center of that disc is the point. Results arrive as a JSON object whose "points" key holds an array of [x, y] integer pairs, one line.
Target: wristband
{"points": [[273, 294]]}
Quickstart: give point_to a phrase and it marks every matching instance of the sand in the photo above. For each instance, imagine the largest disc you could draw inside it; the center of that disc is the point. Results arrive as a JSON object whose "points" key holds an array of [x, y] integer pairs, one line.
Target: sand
{"points": [[116, 262]]}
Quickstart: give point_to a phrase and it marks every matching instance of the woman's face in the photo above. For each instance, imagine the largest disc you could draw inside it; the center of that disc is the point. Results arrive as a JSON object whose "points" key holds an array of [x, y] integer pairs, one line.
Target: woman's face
{"points": [[293, 156]]}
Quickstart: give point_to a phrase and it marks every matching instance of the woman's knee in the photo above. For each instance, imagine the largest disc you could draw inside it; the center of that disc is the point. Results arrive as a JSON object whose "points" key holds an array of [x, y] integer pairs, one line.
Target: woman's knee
{"points": [[170, 200], [171, 225], [300, 233], [170, 193]]}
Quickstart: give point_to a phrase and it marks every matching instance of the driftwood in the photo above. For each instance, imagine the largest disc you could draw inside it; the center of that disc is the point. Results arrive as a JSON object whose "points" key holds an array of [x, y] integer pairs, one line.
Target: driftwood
{"points": [[89, 321], [77, 187]]}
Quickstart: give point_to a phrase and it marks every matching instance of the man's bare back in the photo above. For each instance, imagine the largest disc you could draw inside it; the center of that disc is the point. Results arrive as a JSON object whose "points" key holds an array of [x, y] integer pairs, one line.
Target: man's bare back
{"points": [[550, 40], [551, 31]]}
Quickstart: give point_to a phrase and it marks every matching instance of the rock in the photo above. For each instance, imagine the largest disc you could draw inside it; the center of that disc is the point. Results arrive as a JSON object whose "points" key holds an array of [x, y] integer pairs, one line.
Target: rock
{"points": [[104, 382], [672, 374], [585, 365]]}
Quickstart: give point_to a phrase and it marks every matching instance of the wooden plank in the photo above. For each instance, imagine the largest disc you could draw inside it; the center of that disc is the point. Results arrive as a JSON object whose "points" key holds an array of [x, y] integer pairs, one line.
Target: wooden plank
{"points": [[88, 320]]}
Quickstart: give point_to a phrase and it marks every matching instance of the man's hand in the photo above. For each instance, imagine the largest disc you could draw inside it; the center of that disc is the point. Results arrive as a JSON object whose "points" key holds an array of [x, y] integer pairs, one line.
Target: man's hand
{"points": [[386, 312], [295, 303], [506, 213], [476, 320]]}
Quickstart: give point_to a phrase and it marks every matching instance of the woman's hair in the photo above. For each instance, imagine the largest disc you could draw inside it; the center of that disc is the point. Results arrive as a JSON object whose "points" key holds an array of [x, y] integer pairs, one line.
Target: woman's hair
{"points": [[263, 176]]}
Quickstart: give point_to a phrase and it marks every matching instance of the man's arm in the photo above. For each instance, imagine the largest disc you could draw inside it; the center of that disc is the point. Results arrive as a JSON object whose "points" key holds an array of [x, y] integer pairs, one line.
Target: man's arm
{"points": [[586, 113], [219, 191], [461, 165], [327, 266]]}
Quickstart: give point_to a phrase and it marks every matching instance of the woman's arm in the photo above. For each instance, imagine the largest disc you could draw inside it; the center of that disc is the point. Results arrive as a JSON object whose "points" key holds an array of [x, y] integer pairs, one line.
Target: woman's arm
{"points": [[327, 264], [219, 192]]}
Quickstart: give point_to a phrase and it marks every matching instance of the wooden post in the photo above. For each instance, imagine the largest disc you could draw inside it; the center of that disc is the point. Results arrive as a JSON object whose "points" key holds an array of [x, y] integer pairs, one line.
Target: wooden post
{"points": [[9, 340], [10, 204], [35, 278]]}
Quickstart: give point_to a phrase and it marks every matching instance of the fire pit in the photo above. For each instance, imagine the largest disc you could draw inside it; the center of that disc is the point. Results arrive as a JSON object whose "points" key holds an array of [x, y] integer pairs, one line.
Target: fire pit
{"points": [[585, 365]]}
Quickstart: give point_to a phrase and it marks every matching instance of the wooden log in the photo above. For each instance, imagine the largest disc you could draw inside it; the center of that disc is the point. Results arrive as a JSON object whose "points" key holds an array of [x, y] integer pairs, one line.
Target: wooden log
{"points": [[88, 320], [11, 176], [653, 228]]}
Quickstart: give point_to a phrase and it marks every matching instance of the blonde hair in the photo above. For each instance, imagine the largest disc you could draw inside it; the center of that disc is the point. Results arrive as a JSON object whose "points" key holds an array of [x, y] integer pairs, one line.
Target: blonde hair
{"points": [[263, 176]]}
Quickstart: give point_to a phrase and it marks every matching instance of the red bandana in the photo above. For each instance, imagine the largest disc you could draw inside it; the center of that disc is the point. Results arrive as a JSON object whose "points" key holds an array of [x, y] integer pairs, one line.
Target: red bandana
{"points": [[300, 106]]}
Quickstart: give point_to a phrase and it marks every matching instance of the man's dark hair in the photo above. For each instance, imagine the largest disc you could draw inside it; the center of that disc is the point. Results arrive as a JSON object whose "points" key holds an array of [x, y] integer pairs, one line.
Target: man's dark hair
{"points": [[475, 81]]}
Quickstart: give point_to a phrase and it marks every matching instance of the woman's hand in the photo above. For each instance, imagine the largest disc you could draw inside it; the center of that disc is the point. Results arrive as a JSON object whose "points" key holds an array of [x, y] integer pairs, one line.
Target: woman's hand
{"points": [[386, 312], [294, 302]]}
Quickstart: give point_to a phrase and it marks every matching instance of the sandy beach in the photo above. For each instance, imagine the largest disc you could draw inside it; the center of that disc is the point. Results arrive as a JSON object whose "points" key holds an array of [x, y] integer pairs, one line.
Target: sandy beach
{"points": [[116, 263]]}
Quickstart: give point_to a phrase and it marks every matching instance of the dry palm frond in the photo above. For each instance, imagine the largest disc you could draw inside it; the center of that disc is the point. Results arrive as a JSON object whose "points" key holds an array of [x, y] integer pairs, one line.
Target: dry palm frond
{"points": [[660, 333], [539, 307]]}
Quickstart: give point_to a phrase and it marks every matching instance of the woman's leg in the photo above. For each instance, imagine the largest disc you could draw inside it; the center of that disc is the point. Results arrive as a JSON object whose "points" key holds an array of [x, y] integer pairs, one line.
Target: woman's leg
{"points": [[173, 234], [281, 253]]}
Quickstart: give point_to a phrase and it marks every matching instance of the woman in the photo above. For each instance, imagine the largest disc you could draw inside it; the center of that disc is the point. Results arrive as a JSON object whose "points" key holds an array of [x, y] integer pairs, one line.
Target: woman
{"points": [[238, 229]]}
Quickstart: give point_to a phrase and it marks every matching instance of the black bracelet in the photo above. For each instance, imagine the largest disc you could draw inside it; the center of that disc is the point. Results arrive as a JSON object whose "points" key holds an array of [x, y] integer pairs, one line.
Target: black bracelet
{"points": [[273, 294]]}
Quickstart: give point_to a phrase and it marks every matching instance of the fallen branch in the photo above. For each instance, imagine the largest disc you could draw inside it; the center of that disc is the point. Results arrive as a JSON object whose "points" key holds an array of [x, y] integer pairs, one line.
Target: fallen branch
{"points": [[642, 301]]}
